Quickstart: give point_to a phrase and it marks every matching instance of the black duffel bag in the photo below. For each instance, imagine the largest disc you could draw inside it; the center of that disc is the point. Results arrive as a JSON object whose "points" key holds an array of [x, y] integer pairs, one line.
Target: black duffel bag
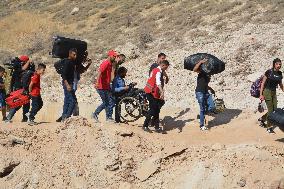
{"points": [[62, 45], [212, 66], [277, 118]]}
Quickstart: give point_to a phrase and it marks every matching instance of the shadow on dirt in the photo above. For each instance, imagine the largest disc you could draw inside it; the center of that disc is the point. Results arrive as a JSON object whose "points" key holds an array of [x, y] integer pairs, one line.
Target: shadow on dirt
{"points": [[224, 117], [170, 123]]}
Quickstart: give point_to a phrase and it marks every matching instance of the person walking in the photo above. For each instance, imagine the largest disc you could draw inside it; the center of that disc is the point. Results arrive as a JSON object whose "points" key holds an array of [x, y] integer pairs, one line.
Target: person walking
{"points": [[103, 85], [155, 95], [201, 92], [67, 84], [20, 65], [34, 91], [271, 80]]}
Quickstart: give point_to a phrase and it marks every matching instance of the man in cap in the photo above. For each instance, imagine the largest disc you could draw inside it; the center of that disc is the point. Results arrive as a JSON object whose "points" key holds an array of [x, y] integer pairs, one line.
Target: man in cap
{"points": [[102, 85]]}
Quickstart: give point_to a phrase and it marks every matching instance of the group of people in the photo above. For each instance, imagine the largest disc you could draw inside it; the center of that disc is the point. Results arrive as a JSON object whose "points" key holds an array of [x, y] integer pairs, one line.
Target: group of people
{"points": [[110, 85], [22, 66]]}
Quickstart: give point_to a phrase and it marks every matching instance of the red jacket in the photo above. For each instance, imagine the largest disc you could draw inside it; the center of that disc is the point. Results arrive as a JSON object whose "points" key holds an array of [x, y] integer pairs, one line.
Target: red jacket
{"points": [[151, 86]]}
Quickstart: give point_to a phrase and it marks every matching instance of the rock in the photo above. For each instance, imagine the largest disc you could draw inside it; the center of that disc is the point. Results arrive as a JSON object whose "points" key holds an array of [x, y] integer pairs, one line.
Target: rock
{"points": [[126, 133], [148, 168], [242, 182], [74, 11], [217, 146], [173, 151]]}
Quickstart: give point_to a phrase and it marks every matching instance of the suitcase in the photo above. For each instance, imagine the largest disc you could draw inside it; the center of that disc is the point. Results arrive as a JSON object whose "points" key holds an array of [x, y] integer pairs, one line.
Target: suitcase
{"points": [[277, 118], [17, 98], [212, 66], [62, 45]]}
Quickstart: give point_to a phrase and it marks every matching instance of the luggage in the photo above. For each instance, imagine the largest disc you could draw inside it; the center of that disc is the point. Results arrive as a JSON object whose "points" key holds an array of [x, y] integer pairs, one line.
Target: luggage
{"points": [[62, 45], [255, 87], [17, 98], [59, 66], [219, 104], [277, 118], [212, 66]]}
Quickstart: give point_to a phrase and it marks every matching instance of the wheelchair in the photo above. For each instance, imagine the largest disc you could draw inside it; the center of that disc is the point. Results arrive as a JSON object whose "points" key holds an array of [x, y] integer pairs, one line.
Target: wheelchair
{"points": [[132, 105]]}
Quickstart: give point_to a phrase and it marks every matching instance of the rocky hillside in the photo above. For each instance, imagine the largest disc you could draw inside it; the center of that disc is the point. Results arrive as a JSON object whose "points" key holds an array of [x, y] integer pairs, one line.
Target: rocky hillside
{"points": [[247, 35], [79, 155]]}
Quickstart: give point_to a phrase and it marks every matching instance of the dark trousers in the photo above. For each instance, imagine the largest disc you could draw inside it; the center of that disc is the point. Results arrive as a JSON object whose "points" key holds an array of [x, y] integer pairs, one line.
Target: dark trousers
{"points": [[155, 106], [26, 109], [69, 102], [116, 108], [37, 104]]}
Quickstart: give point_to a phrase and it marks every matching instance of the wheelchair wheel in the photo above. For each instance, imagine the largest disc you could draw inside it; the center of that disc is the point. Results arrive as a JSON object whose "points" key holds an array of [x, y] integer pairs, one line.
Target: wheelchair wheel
{"points": [[130, 109]]}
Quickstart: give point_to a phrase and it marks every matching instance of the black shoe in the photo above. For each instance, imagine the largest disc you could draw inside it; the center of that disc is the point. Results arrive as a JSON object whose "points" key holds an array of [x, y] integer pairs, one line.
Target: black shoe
{"points": [[158, 130], [25, 120], [59, 119], [198, 116], [4, 119], [270, 131], [146, 129]]}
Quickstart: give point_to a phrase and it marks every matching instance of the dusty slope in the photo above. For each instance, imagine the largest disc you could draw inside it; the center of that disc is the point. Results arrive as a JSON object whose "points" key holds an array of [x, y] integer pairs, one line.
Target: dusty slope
{"points": [[79, 154], [248, 35]]}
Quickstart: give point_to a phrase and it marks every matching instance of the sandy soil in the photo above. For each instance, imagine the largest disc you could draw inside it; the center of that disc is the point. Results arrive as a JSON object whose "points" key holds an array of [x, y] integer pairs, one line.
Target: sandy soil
{"points": [[235, 153]]}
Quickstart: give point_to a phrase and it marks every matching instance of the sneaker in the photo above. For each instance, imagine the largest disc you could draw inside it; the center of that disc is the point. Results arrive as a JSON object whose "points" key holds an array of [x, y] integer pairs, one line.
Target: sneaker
{"points": [[8, 121], [4, 119], [31, 123], [270, 131], [158, 130], [59, 119], [203, 128], [110, 120], [24, 120], [95, 117], [146, 129], [261, 123]]}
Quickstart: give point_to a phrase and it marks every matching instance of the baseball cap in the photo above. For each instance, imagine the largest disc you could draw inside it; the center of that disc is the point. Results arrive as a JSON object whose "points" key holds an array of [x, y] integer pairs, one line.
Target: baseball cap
{"points": [[24, 58], [112, 53]]}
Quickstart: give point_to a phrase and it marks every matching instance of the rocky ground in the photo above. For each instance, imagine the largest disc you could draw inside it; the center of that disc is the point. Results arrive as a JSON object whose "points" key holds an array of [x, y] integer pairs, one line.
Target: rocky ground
{"points": [[235, 153], [82, 154]]}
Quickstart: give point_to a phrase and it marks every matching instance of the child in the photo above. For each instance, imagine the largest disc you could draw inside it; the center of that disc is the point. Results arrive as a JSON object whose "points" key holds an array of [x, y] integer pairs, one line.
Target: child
{"points": [[34, 89], [118, 89], [2, 94]]}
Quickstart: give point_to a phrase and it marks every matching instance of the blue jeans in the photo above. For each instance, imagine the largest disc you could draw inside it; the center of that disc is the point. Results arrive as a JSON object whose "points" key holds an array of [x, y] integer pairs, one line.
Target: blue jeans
{"points": [[69, 102], [202, 101], [210, 104], [26, 109], [36, 106], [107, 104]]}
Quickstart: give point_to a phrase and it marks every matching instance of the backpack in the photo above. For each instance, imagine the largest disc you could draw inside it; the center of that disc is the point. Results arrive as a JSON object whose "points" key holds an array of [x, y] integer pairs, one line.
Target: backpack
{"points": [[26, 79], [255, 87], [59, 66]]}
